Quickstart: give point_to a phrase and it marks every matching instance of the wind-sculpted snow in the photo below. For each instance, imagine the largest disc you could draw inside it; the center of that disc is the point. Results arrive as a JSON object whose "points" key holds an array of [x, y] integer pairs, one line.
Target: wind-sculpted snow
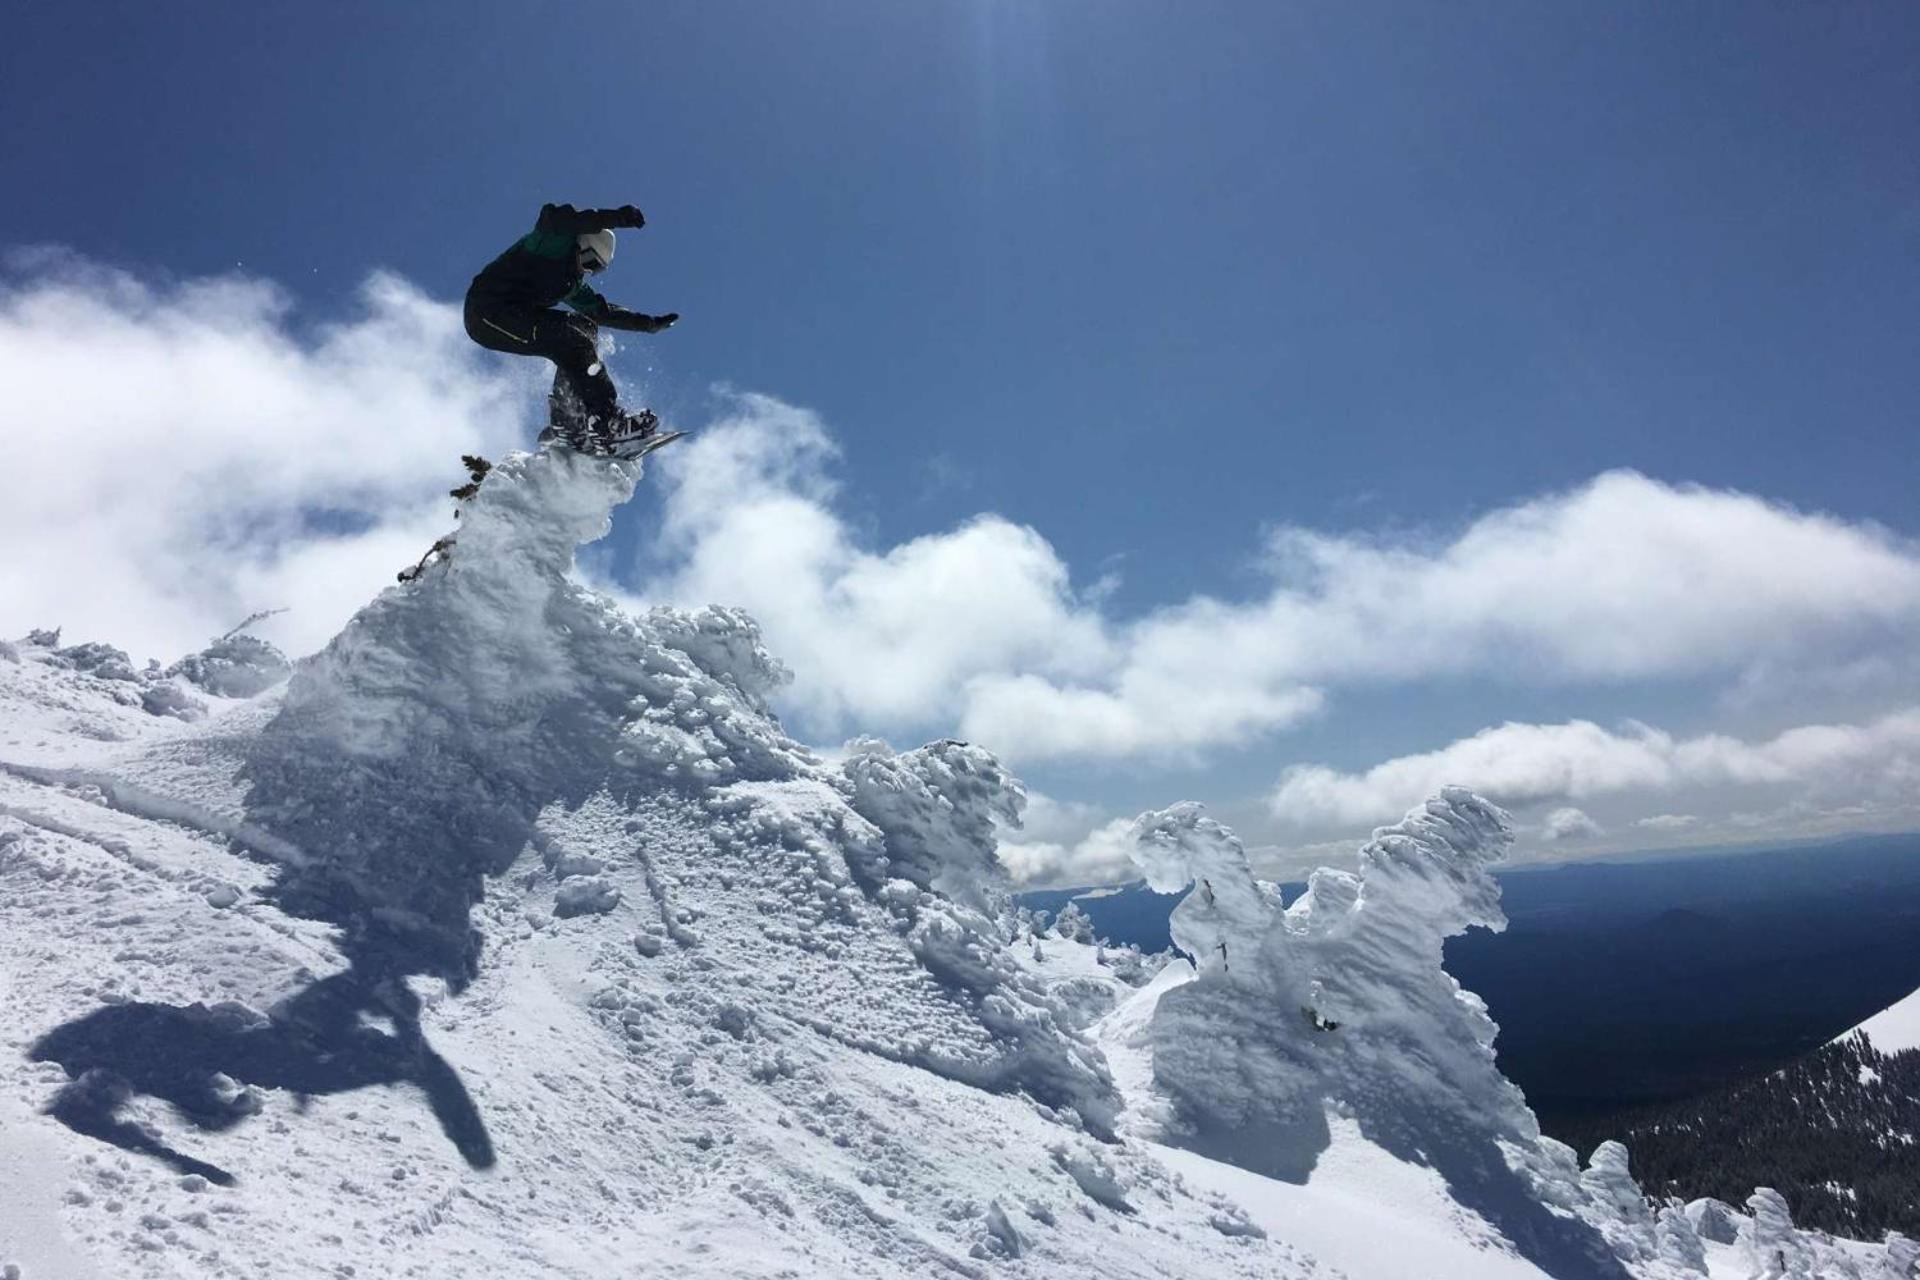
{"points": [[235, 666], [1903, 1258], [520, 808], [414, 755], [1228, 915], [1772, 1247], [1622, 1212], [1341, 997], [1681, 1250], [726, 643], [1714, 1220], [936, 809], [442, 730], [1373, 960], [1338, 1009], [111, 689], [1340, 1005], [1769, 1247], [509, 880]]}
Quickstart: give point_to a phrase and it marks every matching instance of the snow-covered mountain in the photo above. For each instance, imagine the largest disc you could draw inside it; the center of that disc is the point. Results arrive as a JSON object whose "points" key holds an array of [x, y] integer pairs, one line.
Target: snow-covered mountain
{"points": [[511, 935], [1894, 1029], [1835, 1133]]}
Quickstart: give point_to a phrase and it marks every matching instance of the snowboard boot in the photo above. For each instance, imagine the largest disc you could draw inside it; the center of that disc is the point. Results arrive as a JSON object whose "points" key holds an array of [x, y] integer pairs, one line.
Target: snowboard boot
{"points": [[615, 436], [625, 430], [577, 436]]}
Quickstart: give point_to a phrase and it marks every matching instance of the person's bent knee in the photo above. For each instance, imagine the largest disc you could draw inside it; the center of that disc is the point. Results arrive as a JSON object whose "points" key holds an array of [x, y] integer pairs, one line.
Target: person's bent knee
{"points": [[499, 329]]}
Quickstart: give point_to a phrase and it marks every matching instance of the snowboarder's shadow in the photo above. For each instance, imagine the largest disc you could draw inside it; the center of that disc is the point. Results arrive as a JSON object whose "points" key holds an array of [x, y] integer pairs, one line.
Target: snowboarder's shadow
{"points": [[387, 792], [349, 1031]]}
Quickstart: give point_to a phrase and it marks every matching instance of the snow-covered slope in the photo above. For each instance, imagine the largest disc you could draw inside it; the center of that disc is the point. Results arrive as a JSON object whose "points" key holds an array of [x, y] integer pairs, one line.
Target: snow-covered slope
{"points": [[512, 936], [1895, 1028]]}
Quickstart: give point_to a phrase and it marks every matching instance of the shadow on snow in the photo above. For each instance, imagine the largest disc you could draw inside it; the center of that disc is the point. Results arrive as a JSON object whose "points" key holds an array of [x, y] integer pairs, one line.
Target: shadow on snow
{"points": [[408, 779], [324, 1040]]}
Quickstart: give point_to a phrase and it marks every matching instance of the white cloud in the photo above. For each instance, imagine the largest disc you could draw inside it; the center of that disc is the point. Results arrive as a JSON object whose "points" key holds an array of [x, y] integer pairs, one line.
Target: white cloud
{"points": [[1624, 578], [878, 638], [1523, 764], [185, 453], [1067, 844], [1569, 823], [979, 626], [182, 454], [1621, 579], [1099, 857], [1298, 862], [1164, 710], [1668, 821]]}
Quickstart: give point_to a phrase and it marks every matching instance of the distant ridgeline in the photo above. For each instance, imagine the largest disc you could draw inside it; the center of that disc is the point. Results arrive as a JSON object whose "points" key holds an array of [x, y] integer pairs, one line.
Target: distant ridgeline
{"points": [[1837, 1134], [1627, 983]]}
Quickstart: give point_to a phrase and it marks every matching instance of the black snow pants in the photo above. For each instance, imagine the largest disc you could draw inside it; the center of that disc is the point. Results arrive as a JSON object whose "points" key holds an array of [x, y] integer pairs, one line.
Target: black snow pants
{"points": [[581, 386]]}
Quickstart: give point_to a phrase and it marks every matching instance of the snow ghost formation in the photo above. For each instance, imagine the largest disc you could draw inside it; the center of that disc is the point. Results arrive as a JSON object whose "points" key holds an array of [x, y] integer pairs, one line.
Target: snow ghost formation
{"points": [[1772, 1247], [1338, 1001], [1339, 1006]]}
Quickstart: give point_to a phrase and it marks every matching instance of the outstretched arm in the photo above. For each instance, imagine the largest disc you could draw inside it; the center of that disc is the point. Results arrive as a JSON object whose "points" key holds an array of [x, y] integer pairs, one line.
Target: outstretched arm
{"points": [[565, 220], [600, 311]]}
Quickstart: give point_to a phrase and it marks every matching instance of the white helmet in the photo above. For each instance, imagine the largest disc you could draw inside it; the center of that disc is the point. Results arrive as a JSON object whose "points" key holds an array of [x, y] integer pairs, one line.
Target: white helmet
{"points": [[593, 250]]}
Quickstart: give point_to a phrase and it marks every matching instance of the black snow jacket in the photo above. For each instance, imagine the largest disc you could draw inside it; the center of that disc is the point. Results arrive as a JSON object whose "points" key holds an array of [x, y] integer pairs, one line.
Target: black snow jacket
{"points": [[540, 270]]}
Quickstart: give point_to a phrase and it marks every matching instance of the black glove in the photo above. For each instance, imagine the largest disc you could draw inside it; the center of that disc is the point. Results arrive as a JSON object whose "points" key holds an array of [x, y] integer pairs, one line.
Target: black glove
{"points": [[630, 216], [655, 324]]}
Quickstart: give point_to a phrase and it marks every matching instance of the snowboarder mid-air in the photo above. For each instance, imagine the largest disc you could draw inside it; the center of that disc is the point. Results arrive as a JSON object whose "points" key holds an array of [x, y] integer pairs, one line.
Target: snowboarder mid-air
{"points": [[512, 306]]}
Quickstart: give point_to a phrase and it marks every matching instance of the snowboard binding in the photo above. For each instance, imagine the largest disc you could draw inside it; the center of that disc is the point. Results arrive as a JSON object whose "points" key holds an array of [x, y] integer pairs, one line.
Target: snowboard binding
{"points": [[625, 435]]}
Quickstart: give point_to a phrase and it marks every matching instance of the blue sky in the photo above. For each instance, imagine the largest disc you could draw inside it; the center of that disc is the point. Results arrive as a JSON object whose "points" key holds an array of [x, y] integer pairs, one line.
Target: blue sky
{"points": [[1147, 278]]}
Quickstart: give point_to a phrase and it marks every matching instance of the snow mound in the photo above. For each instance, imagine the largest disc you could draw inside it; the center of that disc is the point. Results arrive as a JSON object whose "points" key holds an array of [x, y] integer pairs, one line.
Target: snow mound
{"points": [[236, 666], [937, 808], [55, 700], [471, 713], [101, 661], [414, 756], [97, 692]]}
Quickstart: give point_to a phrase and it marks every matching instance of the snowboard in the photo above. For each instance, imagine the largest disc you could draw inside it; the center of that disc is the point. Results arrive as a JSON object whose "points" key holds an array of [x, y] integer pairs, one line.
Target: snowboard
{"points": [[635, 449], [641, 448]]}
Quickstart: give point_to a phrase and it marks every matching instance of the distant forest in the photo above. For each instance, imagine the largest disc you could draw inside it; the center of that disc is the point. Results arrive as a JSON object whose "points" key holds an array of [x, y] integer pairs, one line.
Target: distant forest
{"points": [[1837, 1134]]}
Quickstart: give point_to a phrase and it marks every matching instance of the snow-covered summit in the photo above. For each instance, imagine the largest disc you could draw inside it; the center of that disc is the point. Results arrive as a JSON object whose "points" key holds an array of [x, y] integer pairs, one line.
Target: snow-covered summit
{"points": [[512, 935]]}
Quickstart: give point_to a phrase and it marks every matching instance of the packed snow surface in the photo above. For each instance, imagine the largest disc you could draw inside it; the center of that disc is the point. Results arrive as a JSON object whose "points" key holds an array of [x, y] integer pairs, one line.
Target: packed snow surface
{"points": [[511, 935]]}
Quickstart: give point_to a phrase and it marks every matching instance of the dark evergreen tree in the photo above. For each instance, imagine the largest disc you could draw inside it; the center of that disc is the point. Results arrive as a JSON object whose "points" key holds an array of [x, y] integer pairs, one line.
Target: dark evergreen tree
{"points": [[1837, 1134]]}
